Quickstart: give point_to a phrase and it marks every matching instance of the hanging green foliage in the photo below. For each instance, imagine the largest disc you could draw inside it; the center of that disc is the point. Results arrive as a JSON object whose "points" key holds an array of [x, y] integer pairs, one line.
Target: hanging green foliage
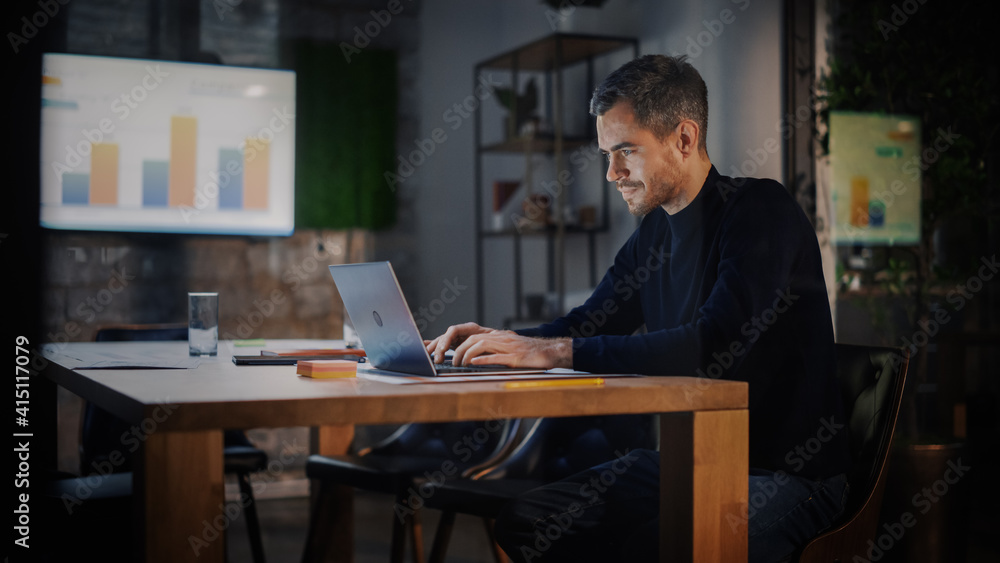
{"points": [[345, 136]]}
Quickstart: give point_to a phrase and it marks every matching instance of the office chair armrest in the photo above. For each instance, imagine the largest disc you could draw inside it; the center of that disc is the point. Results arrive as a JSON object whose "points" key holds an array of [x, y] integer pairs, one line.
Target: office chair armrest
{"points": [[508, 441], [526, 434], [385, 442]]}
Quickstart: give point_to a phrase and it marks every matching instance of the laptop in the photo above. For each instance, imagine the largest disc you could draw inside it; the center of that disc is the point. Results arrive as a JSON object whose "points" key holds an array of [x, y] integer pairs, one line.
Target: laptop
{"points": [[386, 328]]}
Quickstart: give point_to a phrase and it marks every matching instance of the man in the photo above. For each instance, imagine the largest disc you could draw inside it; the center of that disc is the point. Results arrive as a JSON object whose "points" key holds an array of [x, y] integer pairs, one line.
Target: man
{"points": [[725, 276]]}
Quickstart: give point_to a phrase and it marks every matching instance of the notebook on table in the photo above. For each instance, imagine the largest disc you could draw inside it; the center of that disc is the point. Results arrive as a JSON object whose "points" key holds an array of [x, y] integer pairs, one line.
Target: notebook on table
{"points": [[385, 326]]}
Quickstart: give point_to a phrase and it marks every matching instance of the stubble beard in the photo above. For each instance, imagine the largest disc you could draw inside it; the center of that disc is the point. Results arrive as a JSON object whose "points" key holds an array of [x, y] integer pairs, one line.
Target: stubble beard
{"points": [[656, 192]]}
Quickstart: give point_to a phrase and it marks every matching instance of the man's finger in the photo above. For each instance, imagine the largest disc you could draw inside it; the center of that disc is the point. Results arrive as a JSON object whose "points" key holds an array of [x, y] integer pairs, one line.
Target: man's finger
{"points": [[462, 350]]}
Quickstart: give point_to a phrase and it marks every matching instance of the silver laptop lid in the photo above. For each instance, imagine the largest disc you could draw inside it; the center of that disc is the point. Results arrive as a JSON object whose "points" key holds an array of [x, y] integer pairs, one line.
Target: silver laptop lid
{"points": [[383, 321]]}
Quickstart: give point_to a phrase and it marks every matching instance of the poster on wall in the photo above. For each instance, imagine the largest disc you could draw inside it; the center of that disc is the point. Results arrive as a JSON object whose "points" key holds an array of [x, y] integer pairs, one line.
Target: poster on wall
{"points": [[876, 169]]}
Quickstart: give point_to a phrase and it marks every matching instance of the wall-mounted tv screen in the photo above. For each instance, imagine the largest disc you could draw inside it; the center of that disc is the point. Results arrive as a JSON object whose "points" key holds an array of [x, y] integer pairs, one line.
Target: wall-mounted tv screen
{"points": [[160, 146]]}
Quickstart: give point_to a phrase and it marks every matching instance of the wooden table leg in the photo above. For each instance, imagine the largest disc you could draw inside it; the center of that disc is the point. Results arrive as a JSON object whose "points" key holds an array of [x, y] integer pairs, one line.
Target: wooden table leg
{"points": [[331, 505], [704, 486], [180, 489]]}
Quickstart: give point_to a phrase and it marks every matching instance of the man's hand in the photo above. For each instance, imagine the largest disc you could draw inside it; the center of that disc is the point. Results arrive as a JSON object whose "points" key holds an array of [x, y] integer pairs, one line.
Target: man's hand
{"points": [[511, 349], [476, 345], [454, 336]]}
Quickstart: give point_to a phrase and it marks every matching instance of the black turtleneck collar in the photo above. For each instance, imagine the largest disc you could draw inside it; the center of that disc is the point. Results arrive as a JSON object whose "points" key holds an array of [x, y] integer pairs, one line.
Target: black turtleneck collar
{"points": [[687, 221]]}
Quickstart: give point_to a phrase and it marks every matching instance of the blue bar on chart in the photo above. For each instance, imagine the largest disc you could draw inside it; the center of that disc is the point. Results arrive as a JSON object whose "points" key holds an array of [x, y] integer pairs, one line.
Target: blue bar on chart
{"points": [[155, 182], [230, 179], [76, 188]]}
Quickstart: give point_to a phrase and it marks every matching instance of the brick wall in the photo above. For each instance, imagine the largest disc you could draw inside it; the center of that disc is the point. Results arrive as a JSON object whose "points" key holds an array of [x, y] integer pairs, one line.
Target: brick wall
{"points": [[268, 287]]}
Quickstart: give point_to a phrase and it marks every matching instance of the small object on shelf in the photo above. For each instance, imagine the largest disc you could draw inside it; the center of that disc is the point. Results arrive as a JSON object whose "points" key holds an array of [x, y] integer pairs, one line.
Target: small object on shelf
{"points": [[530, 128], [587, 216], [502, 192], [520, 107], [537, 211]]}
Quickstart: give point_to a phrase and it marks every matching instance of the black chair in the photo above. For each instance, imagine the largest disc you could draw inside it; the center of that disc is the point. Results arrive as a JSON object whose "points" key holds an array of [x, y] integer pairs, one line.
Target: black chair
{"points": [[100, 436], [552, 449], [79, 512], [444, 450], [871, 382]]}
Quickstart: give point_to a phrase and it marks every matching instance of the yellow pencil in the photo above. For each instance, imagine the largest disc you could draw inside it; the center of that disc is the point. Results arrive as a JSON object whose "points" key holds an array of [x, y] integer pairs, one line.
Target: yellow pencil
{"points": [[553, 382]]}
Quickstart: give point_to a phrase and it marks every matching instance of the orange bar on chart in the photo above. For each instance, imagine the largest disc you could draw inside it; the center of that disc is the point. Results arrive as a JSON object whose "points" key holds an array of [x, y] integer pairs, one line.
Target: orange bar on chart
{"points": [[183, 152], [104, 174], [859, 201], [256, 171]]}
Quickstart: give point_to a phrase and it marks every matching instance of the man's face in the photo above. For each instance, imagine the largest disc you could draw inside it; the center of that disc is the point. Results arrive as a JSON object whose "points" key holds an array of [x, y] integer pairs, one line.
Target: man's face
{"points": [[645, 169]]}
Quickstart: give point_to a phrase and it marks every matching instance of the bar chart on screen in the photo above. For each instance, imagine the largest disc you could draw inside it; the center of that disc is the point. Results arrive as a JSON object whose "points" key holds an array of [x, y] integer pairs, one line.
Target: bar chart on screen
{"points": [[140, 145]]}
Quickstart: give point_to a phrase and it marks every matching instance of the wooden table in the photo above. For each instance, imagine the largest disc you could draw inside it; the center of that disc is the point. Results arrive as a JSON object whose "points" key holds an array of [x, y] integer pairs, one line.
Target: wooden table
{"points": [[179, 478]]}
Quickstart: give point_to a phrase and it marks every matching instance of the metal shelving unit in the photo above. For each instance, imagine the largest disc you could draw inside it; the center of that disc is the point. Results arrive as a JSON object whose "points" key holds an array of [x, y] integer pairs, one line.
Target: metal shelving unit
{"points": [[548, 58]]}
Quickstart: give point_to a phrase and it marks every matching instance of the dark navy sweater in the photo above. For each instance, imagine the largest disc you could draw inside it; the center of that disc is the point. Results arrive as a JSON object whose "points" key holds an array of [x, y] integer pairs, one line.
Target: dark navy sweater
{"points": [[729, 287]]}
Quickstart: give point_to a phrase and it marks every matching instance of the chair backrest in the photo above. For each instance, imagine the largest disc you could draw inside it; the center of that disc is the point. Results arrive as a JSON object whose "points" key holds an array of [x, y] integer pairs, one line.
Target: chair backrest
{"points": [[467, 443], [101, 431], [555, 448], [145, 333], [871, 382]]}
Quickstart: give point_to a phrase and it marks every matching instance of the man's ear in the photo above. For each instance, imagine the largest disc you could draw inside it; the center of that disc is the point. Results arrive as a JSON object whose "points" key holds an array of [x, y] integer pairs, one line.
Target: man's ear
{"points": [[687, 137]]}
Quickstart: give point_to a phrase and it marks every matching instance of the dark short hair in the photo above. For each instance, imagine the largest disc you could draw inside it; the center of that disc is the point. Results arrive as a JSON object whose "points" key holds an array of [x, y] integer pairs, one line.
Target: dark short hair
{"points": [[662, 90]]}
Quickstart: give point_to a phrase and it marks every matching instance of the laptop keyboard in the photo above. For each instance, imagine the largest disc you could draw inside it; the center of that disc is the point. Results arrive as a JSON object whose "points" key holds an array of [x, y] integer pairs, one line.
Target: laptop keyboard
{"points": [[447, 367]]}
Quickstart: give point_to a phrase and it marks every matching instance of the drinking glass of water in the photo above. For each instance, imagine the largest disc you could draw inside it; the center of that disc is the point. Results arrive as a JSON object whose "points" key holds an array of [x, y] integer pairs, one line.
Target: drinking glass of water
{"points": [[203, 323]]}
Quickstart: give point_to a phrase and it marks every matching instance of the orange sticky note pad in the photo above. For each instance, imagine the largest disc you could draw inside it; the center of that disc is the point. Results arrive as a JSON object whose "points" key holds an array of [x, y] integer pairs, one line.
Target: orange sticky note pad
{"points": [[325, 369]]}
